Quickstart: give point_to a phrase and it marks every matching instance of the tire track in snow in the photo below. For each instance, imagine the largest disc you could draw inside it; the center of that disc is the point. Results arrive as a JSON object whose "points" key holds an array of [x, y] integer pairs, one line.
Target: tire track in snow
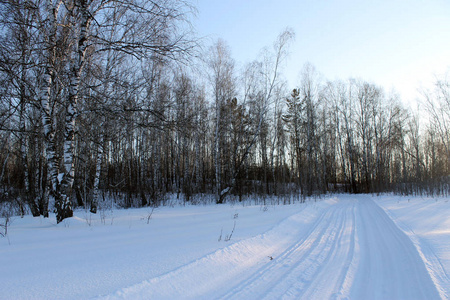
{"points": [[308, 277], [308, 268], [341, 260], [351, 262]]}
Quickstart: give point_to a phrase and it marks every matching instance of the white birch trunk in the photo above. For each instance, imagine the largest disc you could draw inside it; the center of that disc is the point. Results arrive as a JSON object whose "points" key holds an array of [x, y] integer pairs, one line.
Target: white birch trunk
{"points": [[63, 205], [98, 165], [217, 161], [23, 147], [45, 97]]}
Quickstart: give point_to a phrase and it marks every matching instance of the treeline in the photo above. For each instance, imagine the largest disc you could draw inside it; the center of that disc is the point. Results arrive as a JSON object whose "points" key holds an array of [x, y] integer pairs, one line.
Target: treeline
{"points": [[103, 99]]}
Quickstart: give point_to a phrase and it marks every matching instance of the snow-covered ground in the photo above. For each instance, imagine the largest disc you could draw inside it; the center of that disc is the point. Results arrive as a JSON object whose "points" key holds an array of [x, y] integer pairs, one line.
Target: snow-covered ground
{"points": [[344, 246]]}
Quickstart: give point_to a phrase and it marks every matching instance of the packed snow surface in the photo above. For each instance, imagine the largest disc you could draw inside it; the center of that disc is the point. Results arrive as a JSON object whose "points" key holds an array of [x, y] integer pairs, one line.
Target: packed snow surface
{"points": [[340, 247]]}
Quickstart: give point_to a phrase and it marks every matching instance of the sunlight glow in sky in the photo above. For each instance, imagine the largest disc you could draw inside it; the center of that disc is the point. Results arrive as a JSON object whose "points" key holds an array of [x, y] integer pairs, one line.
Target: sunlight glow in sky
{"points": [[397, 44]]}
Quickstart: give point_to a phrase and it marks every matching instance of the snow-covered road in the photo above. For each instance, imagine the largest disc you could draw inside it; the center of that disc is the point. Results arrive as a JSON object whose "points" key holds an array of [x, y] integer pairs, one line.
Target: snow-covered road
{"points": [[349, 248]]}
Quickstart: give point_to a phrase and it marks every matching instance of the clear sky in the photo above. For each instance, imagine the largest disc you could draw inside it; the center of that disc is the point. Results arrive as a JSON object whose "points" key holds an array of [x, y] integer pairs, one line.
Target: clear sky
{"points": [[397, 44]]}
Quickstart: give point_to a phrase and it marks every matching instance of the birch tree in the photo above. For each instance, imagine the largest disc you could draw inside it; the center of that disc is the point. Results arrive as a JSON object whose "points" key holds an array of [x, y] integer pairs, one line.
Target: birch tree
{"points": [[222, 79]]}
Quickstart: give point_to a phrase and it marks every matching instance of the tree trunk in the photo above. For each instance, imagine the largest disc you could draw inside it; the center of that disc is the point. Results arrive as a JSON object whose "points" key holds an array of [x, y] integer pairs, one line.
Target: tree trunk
{"points": [[98, 165]]}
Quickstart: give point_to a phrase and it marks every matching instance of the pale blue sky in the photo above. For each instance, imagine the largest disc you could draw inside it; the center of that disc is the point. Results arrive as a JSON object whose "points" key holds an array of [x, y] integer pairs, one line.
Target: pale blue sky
{"points": [[393, 43]]}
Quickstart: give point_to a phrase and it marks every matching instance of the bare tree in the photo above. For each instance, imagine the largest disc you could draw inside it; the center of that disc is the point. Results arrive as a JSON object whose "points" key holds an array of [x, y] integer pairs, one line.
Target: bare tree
{"points": [[223, 86], [437, 104]]}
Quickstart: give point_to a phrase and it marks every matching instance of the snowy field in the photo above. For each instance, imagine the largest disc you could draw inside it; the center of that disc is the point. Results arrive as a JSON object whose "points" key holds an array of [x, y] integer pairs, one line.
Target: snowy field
{"points": [[340, 247]]}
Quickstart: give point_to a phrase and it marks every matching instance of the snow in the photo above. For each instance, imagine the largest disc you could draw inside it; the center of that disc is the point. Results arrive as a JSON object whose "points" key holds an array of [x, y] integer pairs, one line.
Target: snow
{"points": [[426, 222], [340, 247]]}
